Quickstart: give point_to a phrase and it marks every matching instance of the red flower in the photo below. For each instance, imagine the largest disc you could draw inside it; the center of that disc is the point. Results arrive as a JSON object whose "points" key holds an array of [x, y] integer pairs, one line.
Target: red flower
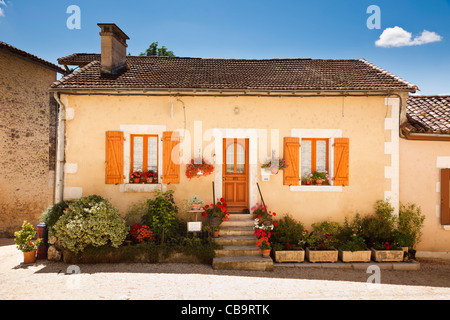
{"points": [[222, 200], [275, 224], [288, 245]]}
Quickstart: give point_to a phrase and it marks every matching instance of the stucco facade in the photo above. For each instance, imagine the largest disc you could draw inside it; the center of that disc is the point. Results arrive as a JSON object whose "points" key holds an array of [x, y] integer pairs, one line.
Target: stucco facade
{"points": [[27, 140], [370, 123]]}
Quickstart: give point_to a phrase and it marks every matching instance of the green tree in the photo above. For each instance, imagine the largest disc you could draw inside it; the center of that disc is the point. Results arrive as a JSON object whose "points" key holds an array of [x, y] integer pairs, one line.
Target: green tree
{"points": [[153, 50]]}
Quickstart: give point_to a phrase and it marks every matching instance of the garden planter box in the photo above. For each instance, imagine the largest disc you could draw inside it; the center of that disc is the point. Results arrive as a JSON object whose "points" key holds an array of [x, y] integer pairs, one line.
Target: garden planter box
{"points": [[290, 256], [321, 255], [387, 255], [355, 256]]}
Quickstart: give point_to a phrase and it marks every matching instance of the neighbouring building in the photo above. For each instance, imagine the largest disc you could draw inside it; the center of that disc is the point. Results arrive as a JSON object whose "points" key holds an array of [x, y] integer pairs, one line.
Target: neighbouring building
{"points": [[122, 114], [28, 120], [425, 168]]}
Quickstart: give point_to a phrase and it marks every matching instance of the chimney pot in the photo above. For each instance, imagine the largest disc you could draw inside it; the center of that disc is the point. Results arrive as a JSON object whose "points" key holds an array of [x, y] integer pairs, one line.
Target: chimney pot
{"points": [[113, 48]]}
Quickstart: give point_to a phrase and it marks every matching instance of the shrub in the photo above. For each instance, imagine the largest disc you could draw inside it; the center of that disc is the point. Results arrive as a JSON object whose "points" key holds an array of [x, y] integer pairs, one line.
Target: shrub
{"points": [[161, 215], [52, 214], [349, 236], [378, 227], [409, 226], [323, 236], [90, 221], [288, 233]]}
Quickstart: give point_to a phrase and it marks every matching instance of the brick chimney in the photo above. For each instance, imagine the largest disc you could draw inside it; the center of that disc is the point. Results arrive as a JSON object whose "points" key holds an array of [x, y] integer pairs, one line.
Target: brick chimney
{"points": [[114, 48]]}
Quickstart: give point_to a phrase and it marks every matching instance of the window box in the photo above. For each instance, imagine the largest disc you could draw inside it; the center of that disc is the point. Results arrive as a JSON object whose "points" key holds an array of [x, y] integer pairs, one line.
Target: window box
{"points": [[321, 255]]}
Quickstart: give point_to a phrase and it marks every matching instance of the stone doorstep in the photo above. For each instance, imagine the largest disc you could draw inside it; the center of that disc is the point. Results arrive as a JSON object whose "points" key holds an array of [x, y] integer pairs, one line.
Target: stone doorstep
{"points": [[236, 231], [228, 251], [250, 263], [400, 266], [245, 240]]}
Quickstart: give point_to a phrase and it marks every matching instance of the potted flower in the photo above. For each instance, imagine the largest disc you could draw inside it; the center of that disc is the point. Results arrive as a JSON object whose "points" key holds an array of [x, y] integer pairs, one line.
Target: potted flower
{"points": [[387, 252], [352, 247], [150, 177], [196, 169], [275, 165], [287, 240], [307, 179], [321, 242], [195, 202], [214, 230], [217, 213], [264, 245], [320, 177], [136, 176], [25, 243]]}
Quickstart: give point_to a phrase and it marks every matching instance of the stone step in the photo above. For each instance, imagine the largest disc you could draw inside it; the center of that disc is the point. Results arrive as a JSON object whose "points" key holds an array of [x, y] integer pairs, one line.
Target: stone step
{"points": [[240, 216], [252, 263], [229, 251], [237, 223], [236, 231], [246, 240]]}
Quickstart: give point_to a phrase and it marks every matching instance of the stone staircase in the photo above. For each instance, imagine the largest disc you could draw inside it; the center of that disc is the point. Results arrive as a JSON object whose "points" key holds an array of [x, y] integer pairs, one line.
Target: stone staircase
{"points": [[239, 250]]}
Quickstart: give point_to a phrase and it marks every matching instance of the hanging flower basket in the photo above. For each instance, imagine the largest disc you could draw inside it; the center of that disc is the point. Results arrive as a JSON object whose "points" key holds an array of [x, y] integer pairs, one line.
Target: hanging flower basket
{"points": [[274, 166], [195, 170]]}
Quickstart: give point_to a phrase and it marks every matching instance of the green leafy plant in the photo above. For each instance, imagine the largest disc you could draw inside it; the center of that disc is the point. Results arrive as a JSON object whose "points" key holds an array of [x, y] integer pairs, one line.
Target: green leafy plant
{"points": [[319, 175], [161, 215], [409, 226], [288, 234], [349, 236], [323, 236], [24, 238], [90, 221], [52, 214], [194, 200]]}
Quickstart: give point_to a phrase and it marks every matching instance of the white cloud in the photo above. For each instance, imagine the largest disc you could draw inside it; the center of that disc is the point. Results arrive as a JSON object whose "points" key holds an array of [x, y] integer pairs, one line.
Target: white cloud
{"points": [[2, 13], [398, 37]]}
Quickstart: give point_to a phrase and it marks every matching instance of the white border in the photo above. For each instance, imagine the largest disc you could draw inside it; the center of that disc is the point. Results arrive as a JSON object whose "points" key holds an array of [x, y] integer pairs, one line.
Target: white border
{"points": [[330, 134]]}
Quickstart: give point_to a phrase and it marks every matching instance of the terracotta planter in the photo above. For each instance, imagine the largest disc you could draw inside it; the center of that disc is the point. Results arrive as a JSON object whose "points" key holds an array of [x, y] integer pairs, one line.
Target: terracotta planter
{"points": [[308, 183], [290, 256], [321, 255], [29, 257], [274, 171], [216, 234], [320, 181], [355, 256], [136, 180], [149, 180], [196, 206], [387, 255], [265, 253]]}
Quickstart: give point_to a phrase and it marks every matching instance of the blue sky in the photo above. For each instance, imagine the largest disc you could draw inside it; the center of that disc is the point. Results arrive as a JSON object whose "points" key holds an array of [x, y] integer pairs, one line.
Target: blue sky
{"points": [[327, 29]]}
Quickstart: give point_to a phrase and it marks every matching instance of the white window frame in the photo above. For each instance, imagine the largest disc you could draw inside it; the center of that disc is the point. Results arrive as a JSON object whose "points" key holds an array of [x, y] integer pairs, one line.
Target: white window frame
{"points": [[329, 134], [128, 130]]}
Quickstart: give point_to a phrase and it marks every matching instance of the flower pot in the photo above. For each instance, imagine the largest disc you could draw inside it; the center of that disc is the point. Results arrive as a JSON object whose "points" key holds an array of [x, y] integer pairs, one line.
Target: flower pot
{"points": [[355, 256], [149, 180], [136, 180], [290, 256], [216, 234], [265, 253], [274, 170], [387, 255], [321, 255], [214, 221], [320, 181], [196, 206], [308, 183], [29, 257]]}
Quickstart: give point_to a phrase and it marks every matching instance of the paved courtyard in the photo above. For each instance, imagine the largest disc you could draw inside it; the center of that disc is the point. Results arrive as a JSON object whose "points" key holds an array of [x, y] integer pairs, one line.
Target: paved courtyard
{"points": [[56, 280]]}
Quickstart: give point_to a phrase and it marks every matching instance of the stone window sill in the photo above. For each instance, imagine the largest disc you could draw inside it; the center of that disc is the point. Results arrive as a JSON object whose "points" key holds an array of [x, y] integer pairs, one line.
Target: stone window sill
{"points": [[315, 188], [135, 187]]}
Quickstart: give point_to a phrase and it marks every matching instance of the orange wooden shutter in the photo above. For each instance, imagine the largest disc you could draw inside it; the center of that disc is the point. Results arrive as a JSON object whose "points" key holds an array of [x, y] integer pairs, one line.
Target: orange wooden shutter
{"points": [[171, 157], [291, 153], [114, 157], [341, 161], [445, 196]]}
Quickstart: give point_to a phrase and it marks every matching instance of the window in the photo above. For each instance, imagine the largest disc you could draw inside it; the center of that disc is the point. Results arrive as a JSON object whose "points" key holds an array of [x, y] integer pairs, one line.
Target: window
{"points": [[144, 153], [314, 156]]}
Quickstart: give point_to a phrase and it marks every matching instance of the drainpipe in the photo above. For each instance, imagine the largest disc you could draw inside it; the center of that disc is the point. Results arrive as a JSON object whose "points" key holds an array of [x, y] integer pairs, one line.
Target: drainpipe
{"points": [[59, 171]]}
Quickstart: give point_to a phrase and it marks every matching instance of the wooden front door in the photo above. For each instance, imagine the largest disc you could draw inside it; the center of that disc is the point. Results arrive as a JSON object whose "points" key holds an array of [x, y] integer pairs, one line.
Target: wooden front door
{"points": [[235, 174]]}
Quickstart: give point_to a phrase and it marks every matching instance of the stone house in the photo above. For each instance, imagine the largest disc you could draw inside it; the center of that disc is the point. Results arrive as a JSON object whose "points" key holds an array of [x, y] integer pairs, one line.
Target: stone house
{"points": [[123, 114], [425, 168], [28, 120]]}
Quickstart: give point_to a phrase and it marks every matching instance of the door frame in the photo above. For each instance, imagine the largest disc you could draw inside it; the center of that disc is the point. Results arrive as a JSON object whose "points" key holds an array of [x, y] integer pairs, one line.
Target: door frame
{"points": [[234, 141], [252, 135]]}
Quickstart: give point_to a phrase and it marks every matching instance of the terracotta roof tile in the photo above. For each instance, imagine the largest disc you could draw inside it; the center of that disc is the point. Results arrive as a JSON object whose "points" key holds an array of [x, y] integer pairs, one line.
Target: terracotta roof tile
{"points": [[145, 72], [29, 56], [429, 114]]}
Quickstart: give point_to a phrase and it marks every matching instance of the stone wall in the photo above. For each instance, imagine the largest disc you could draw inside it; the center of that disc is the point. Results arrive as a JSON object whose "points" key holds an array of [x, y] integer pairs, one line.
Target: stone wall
{"points": [[27, 141]]}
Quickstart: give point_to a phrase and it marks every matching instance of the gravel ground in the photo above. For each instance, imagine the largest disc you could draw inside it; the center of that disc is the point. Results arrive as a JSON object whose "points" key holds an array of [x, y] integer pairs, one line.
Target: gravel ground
{"points": [[50, 280]]}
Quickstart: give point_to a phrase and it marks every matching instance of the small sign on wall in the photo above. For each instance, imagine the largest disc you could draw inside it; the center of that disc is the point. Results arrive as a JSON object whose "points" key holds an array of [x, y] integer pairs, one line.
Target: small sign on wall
{"points": [[194, 226]]}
